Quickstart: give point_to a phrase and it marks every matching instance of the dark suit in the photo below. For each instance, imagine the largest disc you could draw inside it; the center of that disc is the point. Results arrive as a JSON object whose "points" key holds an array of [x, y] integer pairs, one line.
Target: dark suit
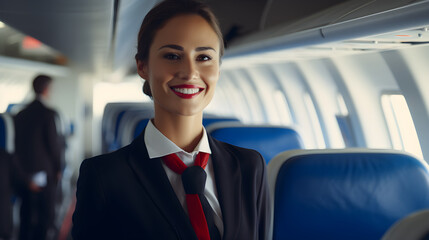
{"points": [[6, 174], [38, 148], [126, 195]]}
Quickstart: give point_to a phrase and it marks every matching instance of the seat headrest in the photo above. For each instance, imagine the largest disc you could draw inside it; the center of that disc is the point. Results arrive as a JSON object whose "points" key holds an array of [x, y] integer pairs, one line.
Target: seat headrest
{"points": [[345, 194], [266, 139], [7, 132]]}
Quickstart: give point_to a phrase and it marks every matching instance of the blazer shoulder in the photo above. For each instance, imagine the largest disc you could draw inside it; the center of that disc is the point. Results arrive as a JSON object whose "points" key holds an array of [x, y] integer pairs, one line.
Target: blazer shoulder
{"points": [[51, 112], [48, 111], [108, 160], [36, 108]]}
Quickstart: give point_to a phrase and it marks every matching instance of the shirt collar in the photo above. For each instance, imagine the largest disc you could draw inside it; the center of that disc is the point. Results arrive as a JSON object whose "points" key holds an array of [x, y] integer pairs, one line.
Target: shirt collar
{"points": [[159, 145]]}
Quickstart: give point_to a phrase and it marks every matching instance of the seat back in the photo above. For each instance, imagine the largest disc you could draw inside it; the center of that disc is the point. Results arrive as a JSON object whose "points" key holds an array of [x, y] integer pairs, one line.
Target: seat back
{"points": [[210, 119], [15, 108], [266, 139], [7, 133], [344, 194], [112, 117], [129, 124], [136, 127], [140, 125]]}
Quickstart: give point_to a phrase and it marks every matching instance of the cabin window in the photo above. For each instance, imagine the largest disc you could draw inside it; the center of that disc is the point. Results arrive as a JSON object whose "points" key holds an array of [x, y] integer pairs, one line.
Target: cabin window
{"points": [[344, 123], [317, 129], [400, 124], [252, 100], [273, 100], [282, 107], [236, 97]]}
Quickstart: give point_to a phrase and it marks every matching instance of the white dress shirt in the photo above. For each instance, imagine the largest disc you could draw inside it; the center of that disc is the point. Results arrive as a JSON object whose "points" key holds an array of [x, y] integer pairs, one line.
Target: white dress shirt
{"points": [[159, 145]]}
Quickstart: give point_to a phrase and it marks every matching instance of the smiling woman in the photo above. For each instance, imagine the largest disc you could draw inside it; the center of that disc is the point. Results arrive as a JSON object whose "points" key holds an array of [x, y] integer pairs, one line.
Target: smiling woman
{"points": [[174, 181], [182, 70]]}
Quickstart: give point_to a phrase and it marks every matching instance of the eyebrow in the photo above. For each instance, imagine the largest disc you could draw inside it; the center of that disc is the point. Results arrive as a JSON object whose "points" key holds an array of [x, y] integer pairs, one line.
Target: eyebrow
{"points": [[198, 49], [180, 48]]}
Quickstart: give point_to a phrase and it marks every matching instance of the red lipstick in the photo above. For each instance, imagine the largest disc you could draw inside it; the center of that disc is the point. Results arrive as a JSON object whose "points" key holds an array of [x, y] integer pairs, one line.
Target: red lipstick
{"points": [[186, 91]]}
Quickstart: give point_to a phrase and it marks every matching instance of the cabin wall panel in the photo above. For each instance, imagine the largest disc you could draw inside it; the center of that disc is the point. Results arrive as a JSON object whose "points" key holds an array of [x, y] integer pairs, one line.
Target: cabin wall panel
{"points": [[366, 77], [244, 85], [325, 93], [235, 96], [67, 99], [411, 73], [220, 104], [291, 80], [417, 59], [267, 85], [356, 128]]}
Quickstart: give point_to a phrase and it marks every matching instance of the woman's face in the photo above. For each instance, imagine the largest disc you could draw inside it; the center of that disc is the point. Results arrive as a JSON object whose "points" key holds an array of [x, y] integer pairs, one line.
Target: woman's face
{"points": [[183, 65]]}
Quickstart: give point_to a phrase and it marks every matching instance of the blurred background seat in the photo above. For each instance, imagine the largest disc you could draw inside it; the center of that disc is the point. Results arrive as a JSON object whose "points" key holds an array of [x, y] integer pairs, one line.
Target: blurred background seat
{"points": [[112, 116], [7, 133], [133, 124], [269, 140]]}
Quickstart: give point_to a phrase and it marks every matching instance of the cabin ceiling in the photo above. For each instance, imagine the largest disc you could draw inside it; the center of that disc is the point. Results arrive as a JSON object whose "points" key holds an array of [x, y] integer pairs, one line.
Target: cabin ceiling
{"points": [[100, 35]]}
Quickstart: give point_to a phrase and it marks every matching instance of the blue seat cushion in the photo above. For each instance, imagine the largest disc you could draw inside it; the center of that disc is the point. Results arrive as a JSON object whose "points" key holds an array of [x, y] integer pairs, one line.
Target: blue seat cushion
{"points": [[269, 141], [347, 195]]}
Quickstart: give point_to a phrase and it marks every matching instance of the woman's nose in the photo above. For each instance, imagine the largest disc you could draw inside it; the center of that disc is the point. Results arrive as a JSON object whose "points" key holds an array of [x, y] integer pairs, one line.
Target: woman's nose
{"points": [[188, 70]]}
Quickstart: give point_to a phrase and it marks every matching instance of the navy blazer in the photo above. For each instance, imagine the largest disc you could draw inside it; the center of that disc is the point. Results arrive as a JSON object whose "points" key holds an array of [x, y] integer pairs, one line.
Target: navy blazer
{"points": [[6, 189], [127, 195]]}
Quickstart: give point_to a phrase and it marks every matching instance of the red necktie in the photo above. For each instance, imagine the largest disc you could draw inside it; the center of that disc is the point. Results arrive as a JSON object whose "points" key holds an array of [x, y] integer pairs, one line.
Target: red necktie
{"points": [[194, 180]]}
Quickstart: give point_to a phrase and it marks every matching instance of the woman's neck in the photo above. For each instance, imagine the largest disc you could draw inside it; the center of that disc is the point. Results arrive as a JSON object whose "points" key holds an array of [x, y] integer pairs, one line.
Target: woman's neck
{"points": [[184, 131]]}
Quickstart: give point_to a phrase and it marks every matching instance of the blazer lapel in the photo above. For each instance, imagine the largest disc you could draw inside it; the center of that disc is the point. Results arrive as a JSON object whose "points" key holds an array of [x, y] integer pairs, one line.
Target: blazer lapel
{"points": [[152, 176], [228, 183]]}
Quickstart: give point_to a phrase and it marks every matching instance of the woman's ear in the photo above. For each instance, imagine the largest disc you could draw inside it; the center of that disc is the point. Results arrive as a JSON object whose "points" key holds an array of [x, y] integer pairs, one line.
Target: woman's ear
{"points": [[142, 69]]}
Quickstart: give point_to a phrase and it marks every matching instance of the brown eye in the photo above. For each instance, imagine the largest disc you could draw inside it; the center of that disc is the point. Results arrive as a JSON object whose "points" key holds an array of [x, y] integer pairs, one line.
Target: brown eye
{"points": [[171, 56], [203, 58]]}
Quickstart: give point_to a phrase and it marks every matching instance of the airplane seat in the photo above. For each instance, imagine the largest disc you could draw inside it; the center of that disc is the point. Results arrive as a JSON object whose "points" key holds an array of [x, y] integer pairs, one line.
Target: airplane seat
{"points": [[134, 129], [130, 121], [7, 132], [344, 194], [113, 113], [211, 119], [110, 115], [15, 108], [412, 227], [268, 140], [107, 123], [140, 125]]}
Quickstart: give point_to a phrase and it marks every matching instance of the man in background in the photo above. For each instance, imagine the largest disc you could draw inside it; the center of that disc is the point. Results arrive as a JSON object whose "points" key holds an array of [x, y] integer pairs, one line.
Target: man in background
{"points": [[38, 149], [6, 183]]}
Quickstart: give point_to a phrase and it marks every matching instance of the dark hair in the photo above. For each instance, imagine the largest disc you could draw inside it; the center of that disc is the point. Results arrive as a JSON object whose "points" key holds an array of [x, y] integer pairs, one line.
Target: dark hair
{"points": [[160, 14], [41, 83]]}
